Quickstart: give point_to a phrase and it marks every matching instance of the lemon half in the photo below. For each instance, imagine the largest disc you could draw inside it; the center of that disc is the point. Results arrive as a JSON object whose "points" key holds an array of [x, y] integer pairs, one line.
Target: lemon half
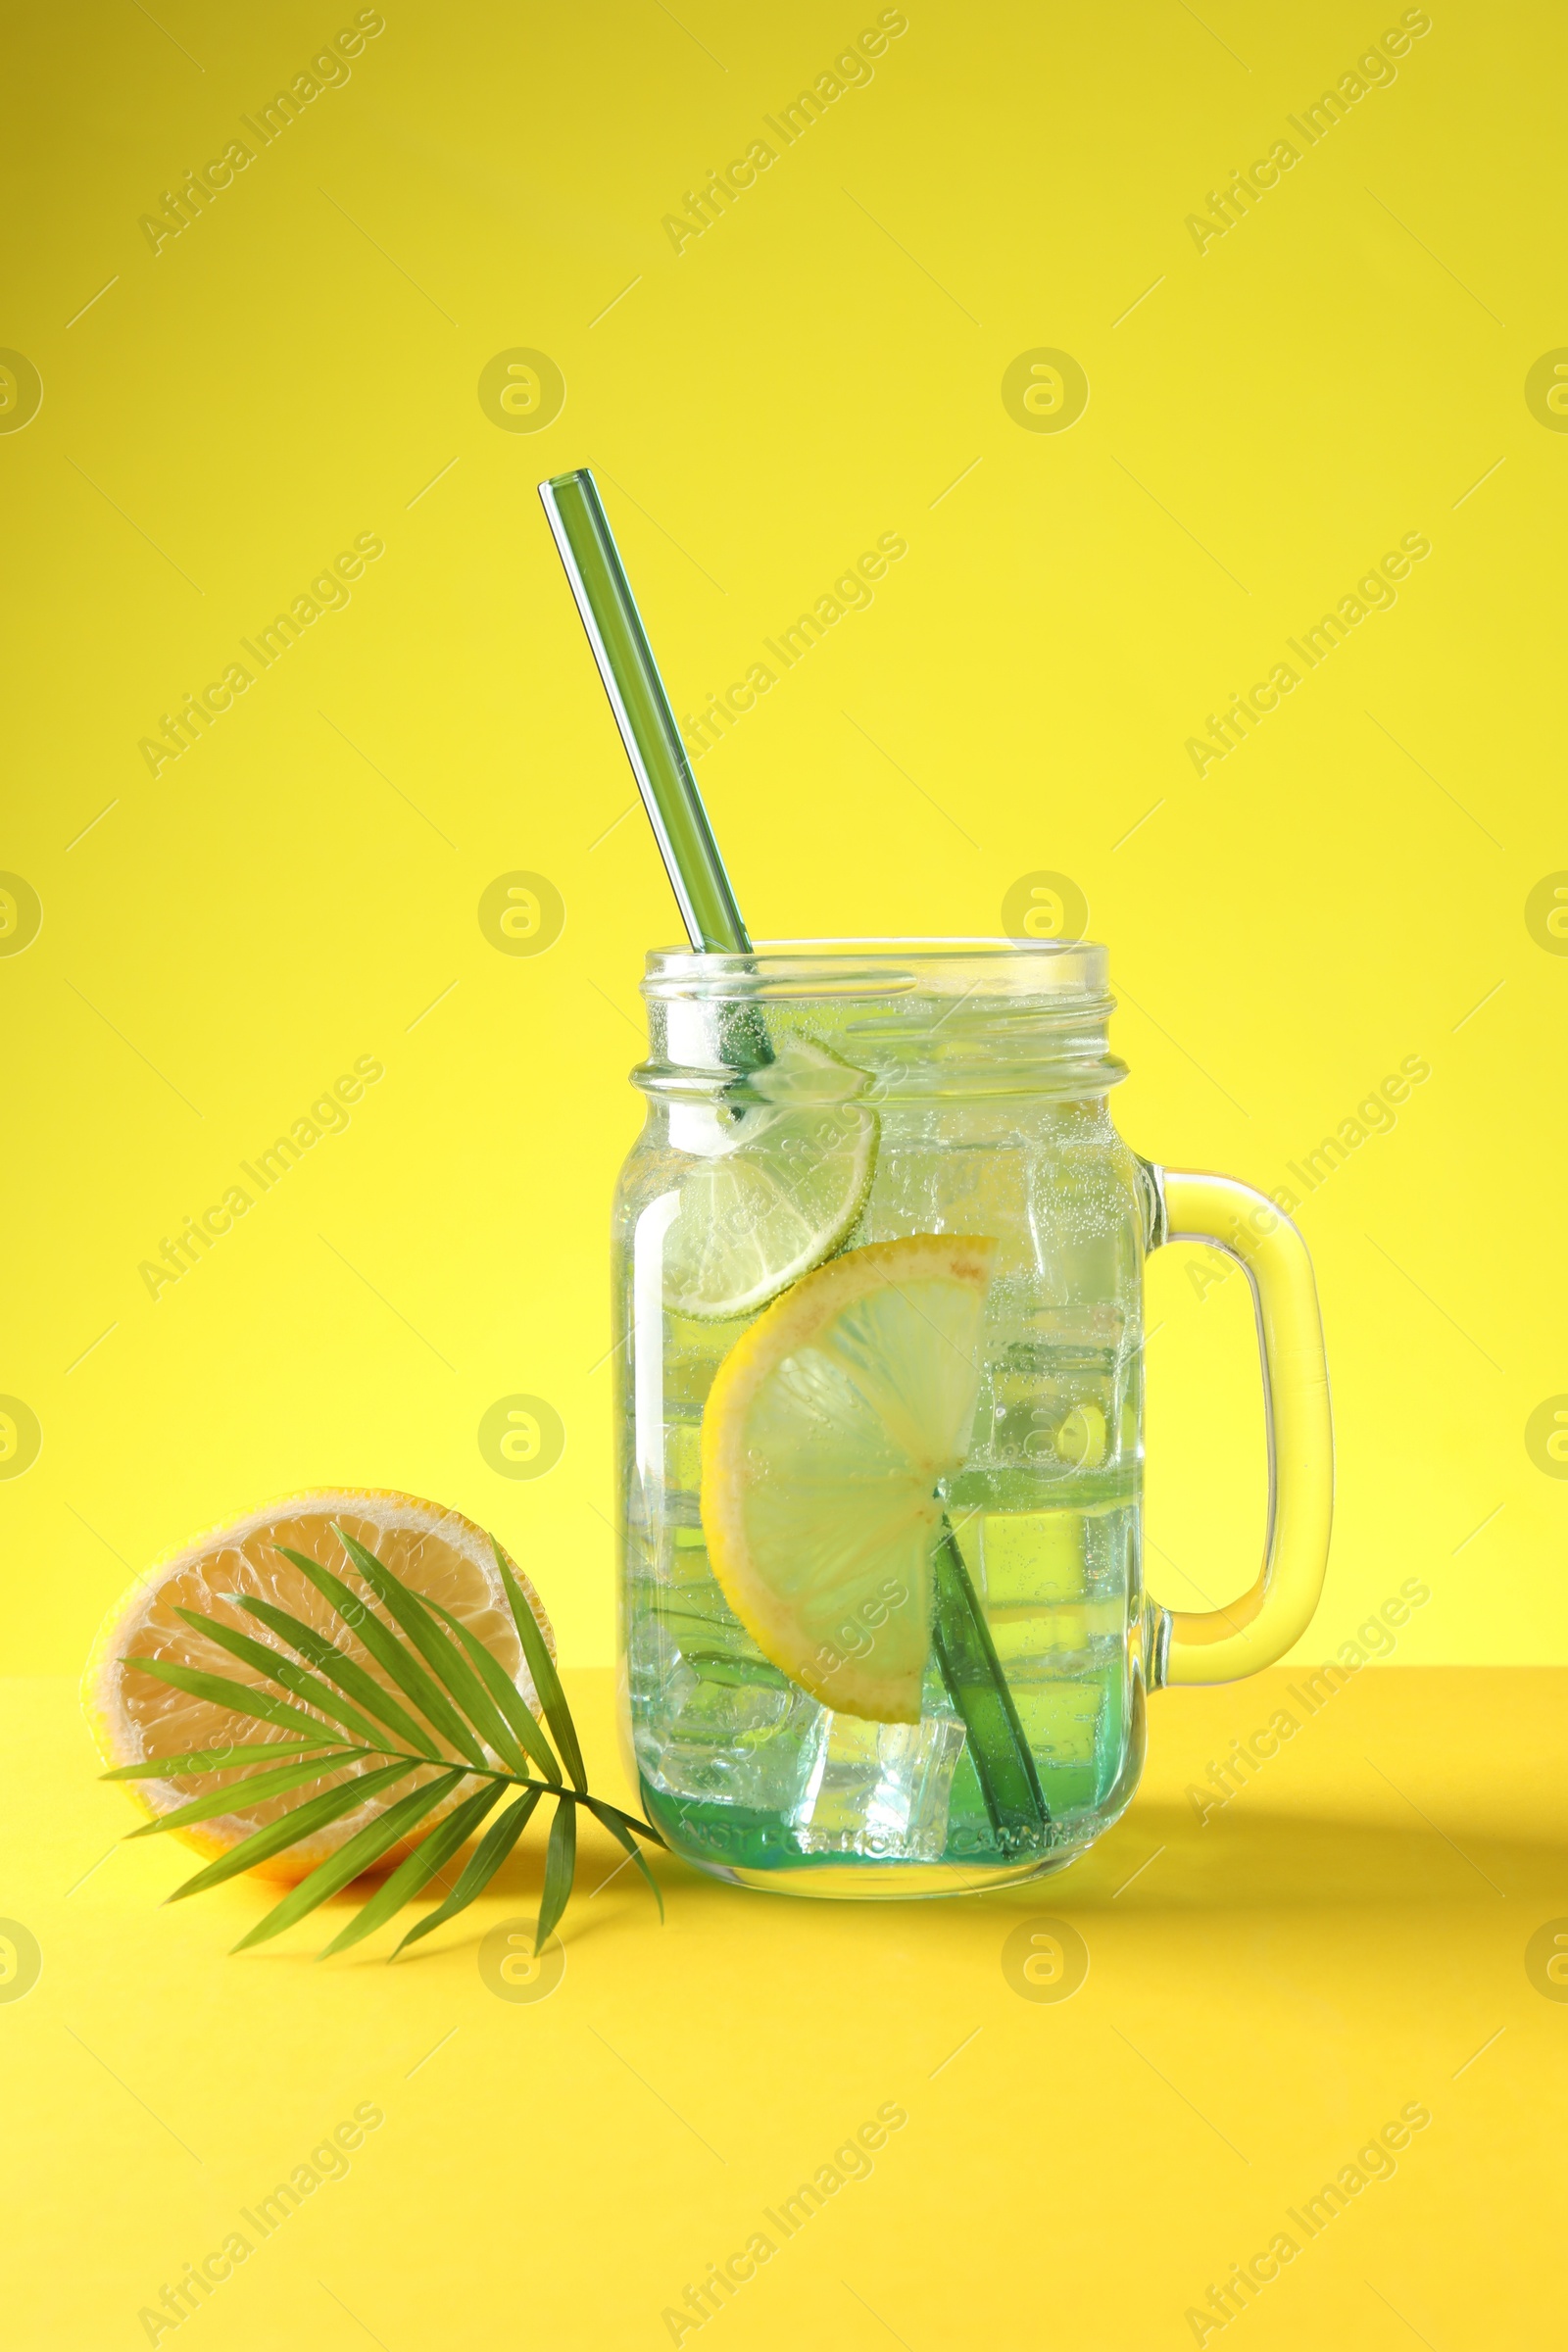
{"points": [[136, 1718]]}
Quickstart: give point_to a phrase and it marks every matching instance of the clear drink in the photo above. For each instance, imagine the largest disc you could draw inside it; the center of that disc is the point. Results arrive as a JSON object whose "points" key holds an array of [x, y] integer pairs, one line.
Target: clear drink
{"points": [[988, 1070]]}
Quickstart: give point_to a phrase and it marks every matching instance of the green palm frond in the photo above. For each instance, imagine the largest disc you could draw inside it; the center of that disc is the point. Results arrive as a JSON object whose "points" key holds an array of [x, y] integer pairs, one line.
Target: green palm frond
{"points": [[452, 1717]]}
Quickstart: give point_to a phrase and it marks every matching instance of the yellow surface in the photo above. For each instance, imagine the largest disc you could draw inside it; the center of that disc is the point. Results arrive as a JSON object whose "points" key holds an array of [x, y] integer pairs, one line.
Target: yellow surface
{"points": [[1266, 1990], [298, 893]]}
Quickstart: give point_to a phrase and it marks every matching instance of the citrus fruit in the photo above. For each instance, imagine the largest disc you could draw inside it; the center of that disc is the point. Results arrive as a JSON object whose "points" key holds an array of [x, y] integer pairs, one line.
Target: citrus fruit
{"points": [[829, 1428], [779, 1193], [135, 1718]]}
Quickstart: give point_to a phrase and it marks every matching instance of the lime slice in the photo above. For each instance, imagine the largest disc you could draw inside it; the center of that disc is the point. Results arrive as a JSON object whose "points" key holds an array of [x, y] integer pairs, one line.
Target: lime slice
{"points": [[783, 1191], [827, 1430]]}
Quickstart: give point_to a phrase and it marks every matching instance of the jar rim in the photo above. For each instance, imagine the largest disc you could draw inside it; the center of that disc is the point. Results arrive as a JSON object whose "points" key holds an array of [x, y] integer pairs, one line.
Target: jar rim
{"points": [[975, 967]]}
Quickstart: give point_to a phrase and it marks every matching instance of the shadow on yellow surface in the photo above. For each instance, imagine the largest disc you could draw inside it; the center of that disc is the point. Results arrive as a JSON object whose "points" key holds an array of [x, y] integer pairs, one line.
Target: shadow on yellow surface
{"points": [[1254, 1993], [1316, 1861]]}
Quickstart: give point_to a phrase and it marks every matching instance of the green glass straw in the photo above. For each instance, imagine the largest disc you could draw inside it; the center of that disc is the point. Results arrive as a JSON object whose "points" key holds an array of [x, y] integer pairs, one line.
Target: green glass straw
{"points": [[643, 713], [965, 1653]]}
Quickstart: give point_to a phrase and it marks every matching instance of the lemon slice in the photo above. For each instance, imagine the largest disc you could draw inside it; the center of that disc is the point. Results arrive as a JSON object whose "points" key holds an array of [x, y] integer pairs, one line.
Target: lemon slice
{"points": [[781, 1193], [136, 1718], [827, 1431]]}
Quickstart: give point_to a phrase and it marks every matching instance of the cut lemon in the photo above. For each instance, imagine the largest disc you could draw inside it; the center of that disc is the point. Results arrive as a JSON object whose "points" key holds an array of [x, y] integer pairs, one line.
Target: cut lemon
{"points": [[827, 1433], [135, 1718], [780, 1193]]}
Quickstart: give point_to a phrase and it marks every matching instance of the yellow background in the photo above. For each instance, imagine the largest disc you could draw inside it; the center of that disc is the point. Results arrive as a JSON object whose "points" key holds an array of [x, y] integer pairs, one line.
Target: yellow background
{"points": [[762, 405], [823, 364]]}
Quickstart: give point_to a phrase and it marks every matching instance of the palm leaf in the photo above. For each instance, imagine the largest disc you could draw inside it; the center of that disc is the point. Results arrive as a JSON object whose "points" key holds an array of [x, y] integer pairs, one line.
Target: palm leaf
{"points": [[503, 1690], [217, 1759], [459, 1690], [221, 1692], [481, 1867], [240, 1794], [302, 1821], [464, 1687], [611, 1814], [390, 1654], [615, 1823], [416, 1868], [283, 1671], [366, 1847], [560, 1864], [542, 1669], [459, 1681], [346, 1672]]}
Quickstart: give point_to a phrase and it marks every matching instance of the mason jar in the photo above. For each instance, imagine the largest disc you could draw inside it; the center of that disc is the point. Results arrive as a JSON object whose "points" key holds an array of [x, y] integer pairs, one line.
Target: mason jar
{"points": [[963, 1086]]}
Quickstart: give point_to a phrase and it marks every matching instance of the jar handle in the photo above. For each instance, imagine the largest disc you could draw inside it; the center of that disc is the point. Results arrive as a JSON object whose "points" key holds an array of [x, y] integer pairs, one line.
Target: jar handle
{"points": [[1220, 1646]]}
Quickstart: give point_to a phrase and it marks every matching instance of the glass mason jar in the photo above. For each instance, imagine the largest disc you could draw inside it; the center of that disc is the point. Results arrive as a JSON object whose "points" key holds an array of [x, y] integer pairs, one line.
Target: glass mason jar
{"points": [[987, 1069]]}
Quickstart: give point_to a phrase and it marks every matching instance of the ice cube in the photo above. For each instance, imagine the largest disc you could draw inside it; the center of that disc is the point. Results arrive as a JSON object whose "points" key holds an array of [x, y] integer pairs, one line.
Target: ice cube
{"points": [[726, 1737], [1029, 1557], [1061, 1720], [881, 1790], [1023, 1635]]}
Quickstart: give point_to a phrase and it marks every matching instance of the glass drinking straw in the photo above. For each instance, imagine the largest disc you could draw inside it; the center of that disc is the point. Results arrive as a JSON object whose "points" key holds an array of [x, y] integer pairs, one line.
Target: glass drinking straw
{"points": [[965, 1653], [643, 715]]}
